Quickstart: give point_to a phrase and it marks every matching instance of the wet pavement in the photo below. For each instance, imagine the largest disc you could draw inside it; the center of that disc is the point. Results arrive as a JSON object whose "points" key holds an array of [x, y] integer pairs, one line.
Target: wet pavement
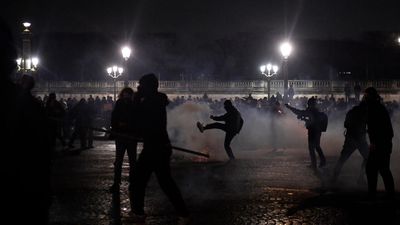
{"points": [[261, 187]]}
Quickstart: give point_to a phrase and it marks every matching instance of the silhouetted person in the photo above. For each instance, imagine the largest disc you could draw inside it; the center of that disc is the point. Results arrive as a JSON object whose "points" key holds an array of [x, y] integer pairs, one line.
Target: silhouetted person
{"points": [[25, 160], [291, 92], [156, 153], [55, 113], [232, 126], [315, 124], [357, 91], [380, 134], [347, 92], [355, 138], [80, 114], [123, 121]]}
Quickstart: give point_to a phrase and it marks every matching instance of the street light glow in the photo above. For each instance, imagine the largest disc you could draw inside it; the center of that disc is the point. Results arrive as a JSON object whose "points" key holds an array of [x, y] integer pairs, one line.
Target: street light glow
{"points": [[286, 49], [126, 52], [269, 70], [269, 67], [262, 69], [115, 71], [35, 61], [275, 68], [26, 24]]}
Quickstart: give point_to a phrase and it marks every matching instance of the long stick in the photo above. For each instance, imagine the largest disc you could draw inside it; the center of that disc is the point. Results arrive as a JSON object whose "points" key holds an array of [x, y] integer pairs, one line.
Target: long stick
{"points": [[141, 140]]}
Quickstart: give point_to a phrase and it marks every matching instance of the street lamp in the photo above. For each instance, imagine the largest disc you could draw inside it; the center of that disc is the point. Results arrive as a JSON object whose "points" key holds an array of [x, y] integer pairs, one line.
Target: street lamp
{"points": [[115, 72], [398, 40], [269, 71], [26, 63], [286, 50], [126, 53]]}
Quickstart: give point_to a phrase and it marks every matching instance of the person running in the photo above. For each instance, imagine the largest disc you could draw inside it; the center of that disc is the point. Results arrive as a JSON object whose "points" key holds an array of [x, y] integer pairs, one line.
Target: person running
{"points": [[232, 126]]}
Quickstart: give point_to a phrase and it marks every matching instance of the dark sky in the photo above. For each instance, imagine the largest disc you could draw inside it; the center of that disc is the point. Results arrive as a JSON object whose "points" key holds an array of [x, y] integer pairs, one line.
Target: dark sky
{"points": [[324, 19]]}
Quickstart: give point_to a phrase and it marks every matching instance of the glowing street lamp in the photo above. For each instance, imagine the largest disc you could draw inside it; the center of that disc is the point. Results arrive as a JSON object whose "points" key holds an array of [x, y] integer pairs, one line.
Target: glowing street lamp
{"points": [[126, 52], [269, 71], [286, 49], [398, 40], [115, 72], [26, 63]]}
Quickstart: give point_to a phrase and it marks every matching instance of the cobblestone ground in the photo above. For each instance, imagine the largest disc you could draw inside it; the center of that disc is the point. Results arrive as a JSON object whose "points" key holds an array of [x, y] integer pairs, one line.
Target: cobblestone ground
{"points": [[260, 188]]}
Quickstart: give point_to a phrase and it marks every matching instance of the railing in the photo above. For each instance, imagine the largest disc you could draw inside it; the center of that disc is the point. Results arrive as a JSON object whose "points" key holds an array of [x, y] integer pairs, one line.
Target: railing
{"points": [[215, 87]]}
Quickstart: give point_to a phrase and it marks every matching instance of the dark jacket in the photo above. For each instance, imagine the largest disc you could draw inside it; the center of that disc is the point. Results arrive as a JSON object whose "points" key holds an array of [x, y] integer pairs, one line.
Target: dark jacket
{"points": [[152, 120], [356, 122], [380, 130], [232, 119], [123, 117]]}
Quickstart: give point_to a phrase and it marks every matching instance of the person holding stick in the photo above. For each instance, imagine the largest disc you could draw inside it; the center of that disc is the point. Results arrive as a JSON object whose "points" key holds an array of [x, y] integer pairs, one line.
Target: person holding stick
{"points": [[157, 150]]}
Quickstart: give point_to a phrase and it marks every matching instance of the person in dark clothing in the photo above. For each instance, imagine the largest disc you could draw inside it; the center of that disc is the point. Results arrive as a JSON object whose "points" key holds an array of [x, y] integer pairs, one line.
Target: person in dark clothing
{"points": [[55, 113], [156, 153], [355, 138], [357, 91], [347, 92], [291, 92], [380, 134], [26, 157], [122, 121], [80, 114], [233, 123], [314, 127]]}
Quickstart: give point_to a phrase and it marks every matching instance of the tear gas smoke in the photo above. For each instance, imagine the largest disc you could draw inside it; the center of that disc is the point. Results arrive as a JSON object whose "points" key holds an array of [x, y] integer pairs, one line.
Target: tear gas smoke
{"points": [[265, 132]]}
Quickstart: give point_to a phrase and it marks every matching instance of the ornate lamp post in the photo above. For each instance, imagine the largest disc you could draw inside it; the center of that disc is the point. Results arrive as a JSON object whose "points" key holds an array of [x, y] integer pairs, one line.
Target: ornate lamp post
{"points": [[26, 63], [115, 72], [269, 71], [126, 53], [286, 50]]}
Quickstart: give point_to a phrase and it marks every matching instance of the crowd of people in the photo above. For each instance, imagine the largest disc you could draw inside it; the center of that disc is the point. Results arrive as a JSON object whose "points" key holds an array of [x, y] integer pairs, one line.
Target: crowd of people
{"points": [[143, 115]]}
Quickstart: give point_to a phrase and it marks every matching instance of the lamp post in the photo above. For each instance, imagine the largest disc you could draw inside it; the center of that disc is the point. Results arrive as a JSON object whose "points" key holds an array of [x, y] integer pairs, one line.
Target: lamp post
{"points": [[126, 53], [115, 72], [269, 71], [286, 50], [26, 63]]}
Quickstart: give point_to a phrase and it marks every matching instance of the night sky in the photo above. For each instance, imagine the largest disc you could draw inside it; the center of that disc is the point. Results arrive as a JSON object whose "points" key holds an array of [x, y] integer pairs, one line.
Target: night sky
{"points": [[299, 18], [219, 38]]}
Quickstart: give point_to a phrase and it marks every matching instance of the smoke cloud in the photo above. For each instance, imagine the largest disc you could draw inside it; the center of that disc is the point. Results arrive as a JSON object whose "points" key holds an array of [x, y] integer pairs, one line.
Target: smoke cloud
{"points": [[263, 132]]}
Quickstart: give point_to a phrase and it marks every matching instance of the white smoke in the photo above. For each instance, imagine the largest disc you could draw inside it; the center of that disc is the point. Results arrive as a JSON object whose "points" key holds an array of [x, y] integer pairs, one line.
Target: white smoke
{"points": [[262, 132]]}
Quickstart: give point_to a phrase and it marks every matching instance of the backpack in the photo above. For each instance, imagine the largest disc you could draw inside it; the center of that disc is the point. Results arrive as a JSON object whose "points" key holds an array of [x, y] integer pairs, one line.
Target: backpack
{"points": [[322, 119]]}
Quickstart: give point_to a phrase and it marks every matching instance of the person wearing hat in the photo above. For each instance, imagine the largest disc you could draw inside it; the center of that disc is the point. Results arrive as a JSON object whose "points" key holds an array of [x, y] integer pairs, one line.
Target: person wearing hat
{"points": [[315, 126], [232, 126], [380, 132]]}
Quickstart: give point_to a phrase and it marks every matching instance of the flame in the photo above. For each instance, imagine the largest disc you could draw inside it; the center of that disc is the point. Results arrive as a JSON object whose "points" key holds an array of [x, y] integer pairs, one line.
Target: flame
{"points": [[200, 159]]}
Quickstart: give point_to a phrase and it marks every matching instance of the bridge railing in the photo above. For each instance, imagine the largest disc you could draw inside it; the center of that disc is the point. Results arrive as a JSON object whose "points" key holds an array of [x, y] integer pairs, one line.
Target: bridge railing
{"points": [[216, 87]]}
